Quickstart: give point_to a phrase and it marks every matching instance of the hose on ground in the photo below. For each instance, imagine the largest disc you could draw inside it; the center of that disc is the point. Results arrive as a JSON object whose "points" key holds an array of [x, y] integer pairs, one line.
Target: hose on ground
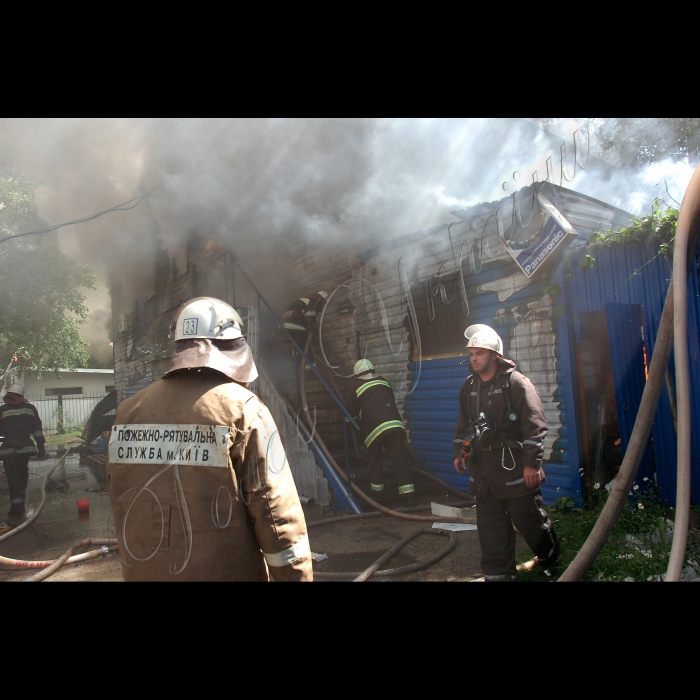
{"points": [[354, 486], [387, 573], [37, 512], [647, 408], [427, 473], [375, 514], [68, 557], [107, 547]]}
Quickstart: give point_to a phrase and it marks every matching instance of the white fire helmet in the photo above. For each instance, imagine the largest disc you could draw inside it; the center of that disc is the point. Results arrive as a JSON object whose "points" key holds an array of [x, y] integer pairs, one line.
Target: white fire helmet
{"points": [[206, 317], [325, 295], [362, 366], [16, 389], [482, 336]]}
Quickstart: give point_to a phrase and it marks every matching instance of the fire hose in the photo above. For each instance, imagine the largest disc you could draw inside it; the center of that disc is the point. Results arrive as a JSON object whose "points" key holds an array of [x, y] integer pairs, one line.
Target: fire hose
{"points": [[107, 546], [69, 558], [40, 507], [687, 233], [373, 569], [353, 485]]}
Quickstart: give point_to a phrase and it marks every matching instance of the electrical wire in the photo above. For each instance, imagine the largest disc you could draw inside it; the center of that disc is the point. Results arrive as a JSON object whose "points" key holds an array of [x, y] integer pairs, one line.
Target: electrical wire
{"points": [[119, 207]]}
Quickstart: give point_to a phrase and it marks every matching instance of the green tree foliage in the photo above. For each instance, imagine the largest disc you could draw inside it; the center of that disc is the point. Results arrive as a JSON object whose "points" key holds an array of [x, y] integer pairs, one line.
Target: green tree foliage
{"points": [[41, 305], [636, 141]]}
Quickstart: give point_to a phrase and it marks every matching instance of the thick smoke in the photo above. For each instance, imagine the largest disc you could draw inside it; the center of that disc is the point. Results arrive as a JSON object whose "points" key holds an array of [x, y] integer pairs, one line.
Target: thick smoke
{"points": [[261, 183]]}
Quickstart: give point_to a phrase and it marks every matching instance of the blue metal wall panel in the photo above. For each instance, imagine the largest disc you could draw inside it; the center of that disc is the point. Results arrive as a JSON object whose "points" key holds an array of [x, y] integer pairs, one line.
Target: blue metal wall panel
{"points": [[634, 274]]}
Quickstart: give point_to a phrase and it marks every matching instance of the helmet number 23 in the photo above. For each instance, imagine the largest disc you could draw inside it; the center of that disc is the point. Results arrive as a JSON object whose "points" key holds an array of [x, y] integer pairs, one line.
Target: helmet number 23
{"points": [[190, 326]]}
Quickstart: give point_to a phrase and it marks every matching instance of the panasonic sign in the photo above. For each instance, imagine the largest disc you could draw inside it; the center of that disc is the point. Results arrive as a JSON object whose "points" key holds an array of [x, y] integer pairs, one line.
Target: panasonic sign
{"points": [[556, 234]]}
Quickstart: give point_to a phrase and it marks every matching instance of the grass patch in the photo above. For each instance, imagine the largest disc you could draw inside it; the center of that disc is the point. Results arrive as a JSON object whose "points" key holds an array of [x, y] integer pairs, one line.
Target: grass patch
{"points": [[70, 435], [638, 548]]}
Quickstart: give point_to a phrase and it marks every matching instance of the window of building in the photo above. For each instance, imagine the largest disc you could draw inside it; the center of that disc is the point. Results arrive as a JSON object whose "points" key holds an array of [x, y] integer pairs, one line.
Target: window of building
{"points": [[64, 391], [108, 388]]}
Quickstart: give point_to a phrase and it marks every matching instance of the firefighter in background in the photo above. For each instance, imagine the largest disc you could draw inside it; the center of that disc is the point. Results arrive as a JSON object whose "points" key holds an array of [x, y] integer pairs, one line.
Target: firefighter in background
{"points": [[300, 316], [19, 423], [199, 482], [500, 430], [373, 404]]}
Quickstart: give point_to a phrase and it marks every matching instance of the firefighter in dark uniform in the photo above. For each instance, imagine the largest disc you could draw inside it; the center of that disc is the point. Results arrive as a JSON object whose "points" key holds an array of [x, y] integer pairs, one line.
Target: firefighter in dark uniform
{"points": [[502, 418], [301, 315], [373, 404], [19, 423]]}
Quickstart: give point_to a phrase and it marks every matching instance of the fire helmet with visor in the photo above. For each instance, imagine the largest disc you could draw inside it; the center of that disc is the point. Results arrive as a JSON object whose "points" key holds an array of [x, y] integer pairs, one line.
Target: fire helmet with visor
{"points": [[482, 336], [206, 317], [207, 333]]}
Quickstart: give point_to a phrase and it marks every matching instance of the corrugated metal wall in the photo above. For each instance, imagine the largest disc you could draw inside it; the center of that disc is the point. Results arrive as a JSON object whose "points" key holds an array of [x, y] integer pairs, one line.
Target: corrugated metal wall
{"points": [[633, 274], [408, 271]]}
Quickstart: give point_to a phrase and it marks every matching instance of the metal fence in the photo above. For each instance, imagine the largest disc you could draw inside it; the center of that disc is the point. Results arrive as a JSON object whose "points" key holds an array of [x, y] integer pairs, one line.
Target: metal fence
{"points": [[65, 413]]}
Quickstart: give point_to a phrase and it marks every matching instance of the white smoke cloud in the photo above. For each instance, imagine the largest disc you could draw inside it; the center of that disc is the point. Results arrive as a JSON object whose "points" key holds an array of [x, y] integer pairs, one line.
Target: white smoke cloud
{"points": [[259, 182]]}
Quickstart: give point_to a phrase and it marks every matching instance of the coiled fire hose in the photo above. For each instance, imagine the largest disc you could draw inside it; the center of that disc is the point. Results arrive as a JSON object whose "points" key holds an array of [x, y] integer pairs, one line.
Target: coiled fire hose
{"points": [[352, 484]]}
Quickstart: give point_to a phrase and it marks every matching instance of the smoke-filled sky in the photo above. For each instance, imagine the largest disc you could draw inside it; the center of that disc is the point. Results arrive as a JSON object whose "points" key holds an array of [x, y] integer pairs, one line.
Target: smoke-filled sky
{"points": [[257, 181]]}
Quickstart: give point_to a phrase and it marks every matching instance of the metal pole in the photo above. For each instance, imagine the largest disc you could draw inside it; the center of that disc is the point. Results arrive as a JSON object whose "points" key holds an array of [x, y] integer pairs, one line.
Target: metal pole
{"points": [[347, 454]]}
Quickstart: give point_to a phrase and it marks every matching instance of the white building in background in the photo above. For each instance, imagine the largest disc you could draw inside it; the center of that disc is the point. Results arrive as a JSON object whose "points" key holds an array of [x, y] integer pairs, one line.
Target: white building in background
{"points": [[64, 397]]}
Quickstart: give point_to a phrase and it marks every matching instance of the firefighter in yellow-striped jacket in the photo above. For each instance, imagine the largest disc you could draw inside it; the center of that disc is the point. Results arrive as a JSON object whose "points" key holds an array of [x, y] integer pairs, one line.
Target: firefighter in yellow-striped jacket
{"points": [[374, 405], [19, 423]]}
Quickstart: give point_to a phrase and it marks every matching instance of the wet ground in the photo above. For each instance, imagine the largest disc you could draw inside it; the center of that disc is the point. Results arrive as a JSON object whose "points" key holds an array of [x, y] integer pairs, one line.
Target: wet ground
{"points": [[349, 546], [60, 524]]}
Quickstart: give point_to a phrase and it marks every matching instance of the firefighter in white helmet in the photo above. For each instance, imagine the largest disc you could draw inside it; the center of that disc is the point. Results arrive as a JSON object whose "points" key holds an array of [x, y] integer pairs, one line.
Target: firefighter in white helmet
{"points": [[500, 434], [19, 423], [199, 481], [372, 403]]}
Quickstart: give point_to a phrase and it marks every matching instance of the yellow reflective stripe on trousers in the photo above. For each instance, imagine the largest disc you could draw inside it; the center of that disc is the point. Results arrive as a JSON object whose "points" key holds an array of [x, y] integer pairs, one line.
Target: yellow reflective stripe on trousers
{"points": [[305, 300], [381, 428], [377, 487], [367, 385], [407, 488], [294, 327]]}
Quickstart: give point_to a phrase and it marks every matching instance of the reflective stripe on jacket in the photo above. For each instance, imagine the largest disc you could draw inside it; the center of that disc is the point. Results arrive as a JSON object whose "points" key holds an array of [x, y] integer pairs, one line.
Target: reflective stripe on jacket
{"points": [[374, 404], [178, 519]]}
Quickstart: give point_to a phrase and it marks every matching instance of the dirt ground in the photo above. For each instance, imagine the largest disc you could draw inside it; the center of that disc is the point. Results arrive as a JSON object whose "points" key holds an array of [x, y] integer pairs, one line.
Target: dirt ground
{"points": [[350, 546]]}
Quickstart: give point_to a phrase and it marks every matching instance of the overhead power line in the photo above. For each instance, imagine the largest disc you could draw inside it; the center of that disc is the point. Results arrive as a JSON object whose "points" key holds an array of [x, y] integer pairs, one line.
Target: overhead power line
{"points": [[124, 206]]}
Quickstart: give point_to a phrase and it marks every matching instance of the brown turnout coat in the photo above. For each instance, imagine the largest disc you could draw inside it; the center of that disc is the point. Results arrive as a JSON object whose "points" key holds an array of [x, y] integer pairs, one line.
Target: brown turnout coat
{"points": [[236, 520]]}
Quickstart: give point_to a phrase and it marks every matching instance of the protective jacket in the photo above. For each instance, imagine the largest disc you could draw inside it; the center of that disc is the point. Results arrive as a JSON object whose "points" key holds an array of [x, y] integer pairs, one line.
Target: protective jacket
{"points": [[299, 312], [498, 460], [200, 485], [373, 403], [19, 422]]}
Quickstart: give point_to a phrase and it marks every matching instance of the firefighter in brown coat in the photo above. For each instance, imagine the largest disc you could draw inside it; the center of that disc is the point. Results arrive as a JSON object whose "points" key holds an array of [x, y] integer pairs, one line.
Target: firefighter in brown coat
{"points": [[199, 482], [501, 429]]}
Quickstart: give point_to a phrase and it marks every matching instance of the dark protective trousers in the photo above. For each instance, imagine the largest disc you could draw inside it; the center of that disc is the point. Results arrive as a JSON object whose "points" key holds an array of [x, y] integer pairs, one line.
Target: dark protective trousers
{"points": [[495, 519], [395, 443], [17, 471]]}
